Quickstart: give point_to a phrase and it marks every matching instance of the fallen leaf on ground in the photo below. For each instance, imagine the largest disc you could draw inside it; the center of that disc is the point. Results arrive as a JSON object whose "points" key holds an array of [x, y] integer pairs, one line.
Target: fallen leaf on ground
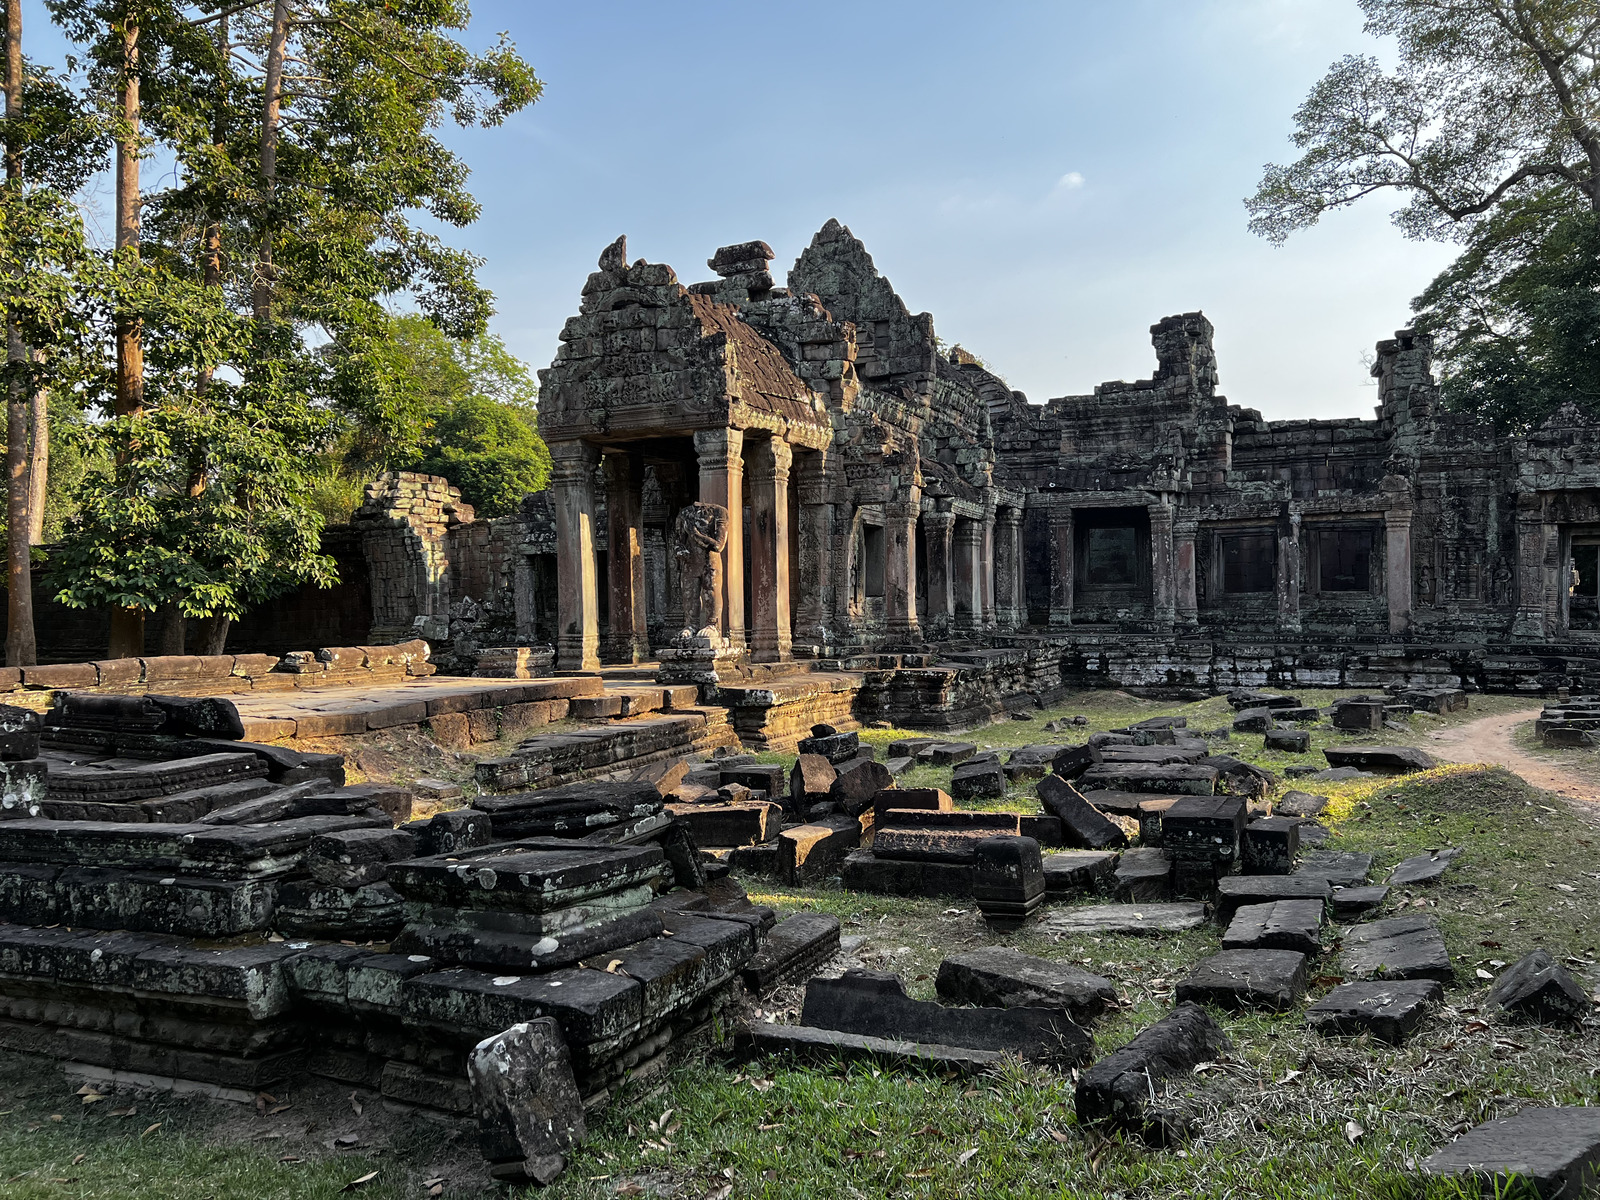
{"points": [[359, 1183], [149, 1129], [964, 1156], [1353, 1132]]}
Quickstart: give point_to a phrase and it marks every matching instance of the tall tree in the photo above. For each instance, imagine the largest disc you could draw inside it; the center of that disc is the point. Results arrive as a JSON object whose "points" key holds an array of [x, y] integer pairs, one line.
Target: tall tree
{"points": [[21, 644], [1488, 127]]}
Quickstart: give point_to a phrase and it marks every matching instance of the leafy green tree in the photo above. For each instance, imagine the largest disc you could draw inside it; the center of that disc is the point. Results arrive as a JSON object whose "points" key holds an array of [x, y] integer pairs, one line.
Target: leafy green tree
{"points": [[1488, 127], [488, 451], [304, 133]]}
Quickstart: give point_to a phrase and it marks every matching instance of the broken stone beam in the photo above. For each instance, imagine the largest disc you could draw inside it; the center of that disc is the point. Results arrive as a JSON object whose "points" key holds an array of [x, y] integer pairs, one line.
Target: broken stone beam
{"points": [[529, 1110], [1123, 1088]]}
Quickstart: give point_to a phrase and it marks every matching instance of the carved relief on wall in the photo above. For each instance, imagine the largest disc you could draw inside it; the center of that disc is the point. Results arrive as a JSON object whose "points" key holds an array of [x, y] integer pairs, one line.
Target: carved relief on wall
{"points": [[699, 538]]}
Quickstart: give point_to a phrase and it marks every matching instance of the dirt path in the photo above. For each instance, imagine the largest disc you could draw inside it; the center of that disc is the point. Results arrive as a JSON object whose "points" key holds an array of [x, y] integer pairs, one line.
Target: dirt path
{"points": [[1489, 740]]}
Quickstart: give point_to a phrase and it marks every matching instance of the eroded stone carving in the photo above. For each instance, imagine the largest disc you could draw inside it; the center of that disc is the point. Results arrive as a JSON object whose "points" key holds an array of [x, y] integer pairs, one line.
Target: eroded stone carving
{"points": [[700, 536]]}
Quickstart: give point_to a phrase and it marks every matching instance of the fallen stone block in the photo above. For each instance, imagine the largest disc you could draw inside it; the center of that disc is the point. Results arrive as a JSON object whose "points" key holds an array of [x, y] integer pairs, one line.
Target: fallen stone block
{"points": [[1554, 1151], [542, 875], [810, 782], [1287, 741], [1280, 925], [1192, 779], [1130, 1087], [1144, 875], [529, 1109], [1388, 1010], [1151, 814], [305, 908], [1007, 880], [1353, 903], [865, 871], [1270, 979], [1081, 823], [746, 824], [966, 819], [795, 949], [447, 939], [1306, 715], [830, 1044], [1234, 892], [1341, 868], [1424, 868], [1143, 919], [948, 754], [978, 781], [1537, 988], [875, 1004], [571, 809], [19, 733], [1069, 874], [1364, 716], [836, 747], [1046, 830], [1241, 698], [1270, 846], [1397, 948], [1001, 977], [951, 845], [1204, 829], [1381, 760], [810, 852], [1120, 804], [1300, 804], [858, 785], [1253, 720], [352, 858], [1072, 761]]}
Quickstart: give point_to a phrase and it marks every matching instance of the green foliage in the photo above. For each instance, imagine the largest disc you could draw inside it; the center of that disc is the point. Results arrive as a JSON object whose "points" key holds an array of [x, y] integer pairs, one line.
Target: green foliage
{"points": [[487, 451], [1517, 316], [1486, 127]]}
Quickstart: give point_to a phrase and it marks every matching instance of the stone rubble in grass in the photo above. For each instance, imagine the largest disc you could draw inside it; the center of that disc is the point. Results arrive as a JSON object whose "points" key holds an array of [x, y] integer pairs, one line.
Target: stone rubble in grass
{"points": [[1001, 977], [1140, 1087], [1553, 1151], [1537, 988], [1280, 925], [1152, 919], [1389, 1010], [1424, 868], [1270, 979], [1396, 948]]}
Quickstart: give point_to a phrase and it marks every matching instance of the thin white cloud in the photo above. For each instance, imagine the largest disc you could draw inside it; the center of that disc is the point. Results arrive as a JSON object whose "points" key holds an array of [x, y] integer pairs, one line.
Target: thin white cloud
{"points": [[1070, 182]]}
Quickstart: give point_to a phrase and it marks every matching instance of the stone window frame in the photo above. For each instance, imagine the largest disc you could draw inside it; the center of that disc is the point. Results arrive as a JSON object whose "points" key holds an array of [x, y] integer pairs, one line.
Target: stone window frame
{"points": [[1311, 558], [1134, 517], [1219, 559], [1214, 535], [865, 517]]}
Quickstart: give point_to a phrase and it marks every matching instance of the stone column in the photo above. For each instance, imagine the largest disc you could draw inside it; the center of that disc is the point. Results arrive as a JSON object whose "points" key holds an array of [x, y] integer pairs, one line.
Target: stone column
{"points": [[986, 570], [1061, 564], [1008, 568], [1397, 568], [572, 467], [630, 640], [1288, 581], [1163, 578], [1532, 575], [900, 568], [1187, 605], [770, 628], [814, 554], [969, 574], [720, 452], [937, 528]]}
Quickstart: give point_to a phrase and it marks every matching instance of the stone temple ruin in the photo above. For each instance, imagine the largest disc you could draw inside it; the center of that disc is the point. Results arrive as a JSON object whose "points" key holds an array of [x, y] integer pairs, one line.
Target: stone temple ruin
{"points": [[778, 516]]}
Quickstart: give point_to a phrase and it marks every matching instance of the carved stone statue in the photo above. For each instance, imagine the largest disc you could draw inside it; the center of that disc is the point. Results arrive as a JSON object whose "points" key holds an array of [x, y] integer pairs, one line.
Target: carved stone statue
{"points": [[699, 537]]}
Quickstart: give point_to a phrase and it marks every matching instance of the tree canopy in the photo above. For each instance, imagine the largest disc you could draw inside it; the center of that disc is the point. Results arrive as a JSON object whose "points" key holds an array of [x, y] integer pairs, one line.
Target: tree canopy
{"points": [[1488, 129]]}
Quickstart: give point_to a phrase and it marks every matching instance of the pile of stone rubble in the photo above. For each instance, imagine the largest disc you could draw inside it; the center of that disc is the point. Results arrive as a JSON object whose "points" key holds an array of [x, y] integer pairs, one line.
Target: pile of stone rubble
{"points": [[1571, 723]]}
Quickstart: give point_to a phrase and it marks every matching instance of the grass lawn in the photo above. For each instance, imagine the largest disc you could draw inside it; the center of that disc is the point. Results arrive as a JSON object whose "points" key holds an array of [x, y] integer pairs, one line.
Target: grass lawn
{"points": [[1286, 1114]]}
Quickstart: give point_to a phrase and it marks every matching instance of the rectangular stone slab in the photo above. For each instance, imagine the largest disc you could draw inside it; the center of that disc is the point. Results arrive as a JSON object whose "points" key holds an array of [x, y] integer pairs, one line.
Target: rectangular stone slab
{"points": [[1191, 779], [1154, 919], [1424, 868], [929, 845], [1071, 873], [795, 948], [923, 818], [1385, 760], [1270, 979], [863, 871], [1398, 948], [1204, 828], [1001, 977], [1280, 925], [830, 1044], [876, 1005], [1387, 1010], [143, 901], [1236, 891], [1341, 868], [525, 878], [1081, 823], [1269, 846], [588, 1005], [815, 851], [1353, 903], [1557, 1150], [1144, 875], [525, 953], [747, 823]]}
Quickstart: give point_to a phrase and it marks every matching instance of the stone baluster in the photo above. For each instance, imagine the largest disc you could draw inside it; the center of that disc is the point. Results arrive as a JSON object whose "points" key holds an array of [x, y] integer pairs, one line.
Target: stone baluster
{"points": [[1188, 602]]}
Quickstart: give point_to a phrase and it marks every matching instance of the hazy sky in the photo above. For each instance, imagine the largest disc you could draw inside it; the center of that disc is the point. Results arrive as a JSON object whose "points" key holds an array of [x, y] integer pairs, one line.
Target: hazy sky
{"points": [[1047, 177]]}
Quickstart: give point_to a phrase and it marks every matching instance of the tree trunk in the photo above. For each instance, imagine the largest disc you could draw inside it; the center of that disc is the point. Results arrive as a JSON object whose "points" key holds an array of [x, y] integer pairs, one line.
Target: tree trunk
{"points": [[130, 340], [21, 646], [38, 465], [127, 624], [170, 639], [214, 633], [261, 295]]}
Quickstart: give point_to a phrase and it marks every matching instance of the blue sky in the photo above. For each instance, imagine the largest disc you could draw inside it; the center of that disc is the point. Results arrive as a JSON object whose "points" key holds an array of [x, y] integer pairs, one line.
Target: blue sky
{"points": [[1048, 179]]}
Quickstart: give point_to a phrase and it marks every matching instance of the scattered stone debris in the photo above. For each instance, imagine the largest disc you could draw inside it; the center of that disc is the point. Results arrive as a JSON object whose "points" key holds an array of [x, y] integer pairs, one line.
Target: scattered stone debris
{"points": [[1271, 979], [1280, 925], [1389, 1010], [1424, 868], [1007, 978], [1137, 1087], [1556, 1151], [1124, 918], [1397, 948], [1537, 988]]}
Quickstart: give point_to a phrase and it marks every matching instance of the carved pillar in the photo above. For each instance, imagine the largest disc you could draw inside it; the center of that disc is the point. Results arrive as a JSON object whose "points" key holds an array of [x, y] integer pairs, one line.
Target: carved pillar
{"points": [[1397, 568], [937, 528], [1288, 577], [572, 467], [1061, 564], [720, 452], [770, 629], [1187, 605], [900, 568], [986, 569], [1163, 579], [814, 554], [1532, 576], [1007, 575], [969, 574], [630, 640]]}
